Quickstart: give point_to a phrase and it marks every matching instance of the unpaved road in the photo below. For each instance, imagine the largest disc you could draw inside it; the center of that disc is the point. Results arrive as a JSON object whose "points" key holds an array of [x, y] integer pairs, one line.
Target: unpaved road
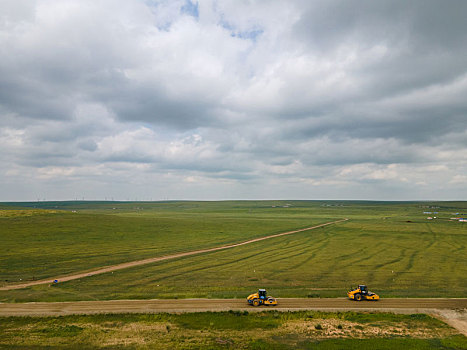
{"points": [[452, 311], [198, 305], [156, 259]]}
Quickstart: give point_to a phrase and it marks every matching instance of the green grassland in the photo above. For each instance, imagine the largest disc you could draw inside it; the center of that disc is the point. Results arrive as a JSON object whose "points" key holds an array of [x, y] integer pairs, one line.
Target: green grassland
{"points": [[231, 330], [390, 246], [39, 243]]}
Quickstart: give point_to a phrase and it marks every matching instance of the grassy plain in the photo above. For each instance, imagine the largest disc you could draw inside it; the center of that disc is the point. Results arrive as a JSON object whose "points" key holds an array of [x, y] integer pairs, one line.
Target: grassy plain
{"points": [[390, 246], [62, 238], [231, 330]]}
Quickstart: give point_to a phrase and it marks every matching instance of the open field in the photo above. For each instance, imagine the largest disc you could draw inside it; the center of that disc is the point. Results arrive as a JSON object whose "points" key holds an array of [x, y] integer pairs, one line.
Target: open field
{"points": [[59, 242], [392, 247], [232, 330], [147, 261]]}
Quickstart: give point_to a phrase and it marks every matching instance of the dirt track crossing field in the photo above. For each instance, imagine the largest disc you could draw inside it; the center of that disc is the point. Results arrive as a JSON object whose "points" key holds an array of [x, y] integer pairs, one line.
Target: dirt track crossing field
{"points": [[422, 305], [156, 259]]}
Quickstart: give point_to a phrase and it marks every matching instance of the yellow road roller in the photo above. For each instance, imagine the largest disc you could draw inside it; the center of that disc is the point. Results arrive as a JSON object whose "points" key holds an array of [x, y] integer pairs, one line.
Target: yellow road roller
{"points": [[261, 298], [362, 293]]}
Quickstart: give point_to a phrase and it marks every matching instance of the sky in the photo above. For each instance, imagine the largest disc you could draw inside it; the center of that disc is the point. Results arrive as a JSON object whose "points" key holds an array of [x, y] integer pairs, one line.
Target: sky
{"points": [[234, 99]]}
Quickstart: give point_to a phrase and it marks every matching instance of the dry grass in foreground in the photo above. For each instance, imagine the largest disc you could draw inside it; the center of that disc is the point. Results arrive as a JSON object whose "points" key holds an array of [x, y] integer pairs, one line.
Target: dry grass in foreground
{"points": [[239, 330]]}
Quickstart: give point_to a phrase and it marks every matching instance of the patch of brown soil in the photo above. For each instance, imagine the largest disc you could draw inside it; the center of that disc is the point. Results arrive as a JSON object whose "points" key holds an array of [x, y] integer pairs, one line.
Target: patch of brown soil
{"points": [[135, 333], [336, 328], [456, 318]]}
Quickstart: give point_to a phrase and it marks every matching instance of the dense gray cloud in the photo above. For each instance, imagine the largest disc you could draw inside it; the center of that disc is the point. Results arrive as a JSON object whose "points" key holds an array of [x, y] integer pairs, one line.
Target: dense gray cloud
{"points": [[233, 99]]}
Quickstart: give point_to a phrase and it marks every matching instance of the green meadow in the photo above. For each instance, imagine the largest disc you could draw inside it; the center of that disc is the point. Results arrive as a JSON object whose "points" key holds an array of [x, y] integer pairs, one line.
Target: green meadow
{"points": [[390, 246], [231, 330], [52, 239]]}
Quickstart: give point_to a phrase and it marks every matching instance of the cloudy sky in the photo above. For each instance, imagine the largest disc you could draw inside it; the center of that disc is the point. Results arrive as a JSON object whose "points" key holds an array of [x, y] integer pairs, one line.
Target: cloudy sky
{"points": [[235, 99]]}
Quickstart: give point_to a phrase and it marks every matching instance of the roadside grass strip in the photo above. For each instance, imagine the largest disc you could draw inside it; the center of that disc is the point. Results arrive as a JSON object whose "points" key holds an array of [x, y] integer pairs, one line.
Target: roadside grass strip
{"points": [[232, 329]]}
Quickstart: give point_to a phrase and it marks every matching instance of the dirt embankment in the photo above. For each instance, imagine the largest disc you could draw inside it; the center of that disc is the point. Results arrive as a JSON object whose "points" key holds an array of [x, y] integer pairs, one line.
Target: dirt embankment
{"points": [[456, 318]]}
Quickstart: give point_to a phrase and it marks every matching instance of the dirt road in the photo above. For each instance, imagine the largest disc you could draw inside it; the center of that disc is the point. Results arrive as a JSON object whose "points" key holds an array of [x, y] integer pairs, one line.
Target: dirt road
{"points": [[423, 305], [156, 259]]}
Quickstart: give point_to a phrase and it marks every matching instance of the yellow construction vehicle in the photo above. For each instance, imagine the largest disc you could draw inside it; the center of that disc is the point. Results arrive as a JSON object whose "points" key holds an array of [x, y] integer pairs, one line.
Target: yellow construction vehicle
{"points": [[261, 298], [362, 292]]}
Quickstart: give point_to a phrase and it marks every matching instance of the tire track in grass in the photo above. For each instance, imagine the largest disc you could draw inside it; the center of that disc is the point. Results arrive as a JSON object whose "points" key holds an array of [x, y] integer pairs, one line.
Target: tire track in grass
{"points": [[324, 273], [433, 243], [193, 270], [364, 257], [412, 257], [293, 253], [161, 258], [268, 256], [358, 252], [457, 245], [187, 268], [205, 263], [269, 253], [405, 274], [287, 251], [297, 249], [314, 252], [455, 261], [401, 256], [434, 237]]}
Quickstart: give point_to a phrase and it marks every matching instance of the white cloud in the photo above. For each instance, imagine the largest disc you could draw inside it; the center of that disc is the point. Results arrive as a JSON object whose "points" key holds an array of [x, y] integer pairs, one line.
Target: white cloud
{"points": [[232, 99]]}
